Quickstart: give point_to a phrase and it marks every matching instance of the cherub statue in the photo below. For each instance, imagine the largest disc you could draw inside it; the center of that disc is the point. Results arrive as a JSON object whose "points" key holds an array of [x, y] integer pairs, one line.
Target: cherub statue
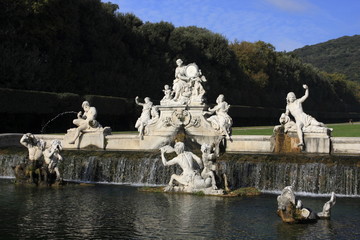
{"points": [[85, 120], [167, 95], [207, 159], [52, 157]]}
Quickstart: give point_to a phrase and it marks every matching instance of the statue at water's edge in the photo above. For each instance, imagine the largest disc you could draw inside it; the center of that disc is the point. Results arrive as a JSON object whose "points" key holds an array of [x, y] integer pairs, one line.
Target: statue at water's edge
{"points": [[192, 179], [291, 209]]}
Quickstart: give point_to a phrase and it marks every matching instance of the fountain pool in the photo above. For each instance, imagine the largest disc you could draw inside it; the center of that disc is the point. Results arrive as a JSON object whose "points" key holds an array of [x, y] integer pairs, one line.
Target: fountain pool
{"points": [[122, 212]]}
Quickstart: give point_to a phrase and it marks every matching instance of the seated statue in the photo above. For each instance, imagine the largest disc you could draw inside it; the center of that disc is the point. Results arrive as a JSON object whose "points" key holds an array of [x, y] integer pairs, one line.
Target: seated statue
{"points": [[187, 86], [189, 179], [52, 157], [304, 122], [145, 116], [181, 80], [84, 121], [221, 121]]}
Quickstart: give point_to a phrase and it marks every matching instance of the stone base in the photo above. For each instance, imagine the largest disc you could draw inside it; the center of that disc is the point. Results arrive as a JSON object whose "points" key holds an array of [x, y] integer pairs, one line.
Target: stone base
{"points": [[347, 145], [184, 189], [87, 139], [314, 143], [133, 142]]}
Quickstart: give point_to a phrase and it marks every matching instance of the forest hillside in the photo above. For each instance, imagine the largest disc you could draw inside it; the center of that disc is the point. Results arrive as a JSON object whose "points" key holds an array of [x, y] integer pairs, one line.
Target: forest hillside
{"points": [[341, 55], [87, 47]]}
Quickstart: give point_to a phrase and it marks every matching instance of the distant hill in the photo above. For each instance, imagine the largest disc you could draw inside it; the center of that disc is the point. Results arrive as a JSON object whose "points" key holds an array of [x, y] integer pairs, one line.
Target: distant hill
{"points": [[341, 55]]}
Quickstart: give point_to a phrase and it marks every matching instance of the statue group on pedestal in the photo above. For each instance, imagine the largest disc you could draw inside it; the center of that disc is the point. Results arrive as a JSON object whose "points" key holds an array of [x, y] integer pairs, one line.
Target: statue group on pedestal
{"points": [[37, 170], [187, 90]]}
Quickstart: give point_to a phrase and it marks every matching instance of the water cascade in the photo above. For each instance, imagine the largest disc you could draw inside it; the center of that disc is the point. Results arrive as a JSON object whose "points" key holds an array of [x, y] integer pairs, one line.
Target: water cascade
{"points": [[307, 173]]}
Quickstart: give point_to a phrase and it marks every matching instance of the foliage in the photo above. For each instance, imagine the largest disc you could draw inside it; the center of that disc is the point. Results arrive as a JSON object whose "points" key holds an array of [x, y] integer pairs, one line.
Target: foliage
{"points": [[341, 55], [88, 48]]}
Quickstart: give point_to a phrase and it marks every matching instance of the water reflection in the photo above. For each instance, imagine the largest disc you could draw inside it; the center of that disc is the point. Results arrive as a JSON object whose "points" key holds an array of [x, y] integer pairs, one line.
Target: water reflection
{"points": [[121, 212]]}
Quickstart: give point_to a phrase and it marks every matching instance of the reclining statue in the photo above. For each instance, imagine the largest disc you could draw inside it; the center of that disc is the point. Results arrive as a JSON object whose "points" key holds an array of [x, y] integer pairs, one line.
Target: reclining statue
{"points": [[303, 121]]}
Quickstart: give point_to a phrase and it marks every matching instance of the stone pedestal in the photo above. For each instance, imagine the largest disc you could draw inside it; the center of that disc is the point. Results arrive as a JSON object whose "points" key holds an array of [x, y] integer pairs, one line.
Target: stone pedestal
{"points": [[173, 119], [288, 142], [87, 139]]}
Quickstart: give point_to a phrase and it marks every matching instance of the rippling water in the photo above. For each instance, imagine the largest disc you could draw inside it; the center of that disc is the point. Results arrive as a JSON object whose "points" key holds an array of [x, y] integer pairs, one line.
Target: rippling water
{"points": [[122, 212]]}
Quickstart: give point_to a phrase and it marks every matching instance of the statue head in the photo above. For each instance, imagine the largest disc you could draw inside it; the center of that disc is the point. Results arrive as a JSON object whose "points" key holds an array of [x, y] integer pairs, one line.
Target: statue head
{"points": [[290, 97], [179, 147], [56, 145], [147, 100], [220, 98], [179, 62], [85, 105]]}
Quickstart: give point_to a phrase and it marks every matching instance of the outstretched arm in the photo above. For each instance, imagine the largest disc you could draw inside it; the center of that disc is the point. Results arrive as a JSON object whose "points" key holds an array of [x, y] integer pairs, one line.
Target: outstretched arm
{"points": [[137, 101], [306, 93], [164, 161], [22, 140]]}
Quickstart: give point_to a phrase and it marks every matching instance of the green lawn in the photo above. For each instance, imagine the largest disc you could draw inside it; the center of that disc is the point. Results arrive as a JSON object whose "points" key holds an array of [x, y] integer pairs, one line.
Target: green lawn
{"points": [[340, 130]]}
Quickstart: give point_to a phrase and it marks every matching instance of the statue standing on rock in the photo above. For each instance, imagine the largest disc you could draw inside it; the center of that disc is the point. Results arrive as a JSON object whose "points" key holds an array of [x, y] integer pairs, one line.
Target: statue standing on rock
{"points": [[36, 170]]}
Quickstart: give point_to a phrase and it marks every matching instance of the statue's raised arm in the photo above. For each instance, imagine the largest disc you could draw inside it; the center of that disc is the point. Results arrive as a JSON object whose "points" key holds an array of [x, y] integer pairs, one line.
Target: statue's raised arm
{"points": [[306, 95]]}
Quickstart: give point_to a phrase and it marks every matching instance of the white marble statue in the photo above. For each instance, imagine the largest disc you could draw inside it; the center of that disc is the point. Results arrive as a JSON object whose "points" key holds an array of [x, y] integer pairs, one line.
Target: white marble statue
{"points": [[84, 121], [52, 157], [154, 115], [207, 158], [145, 115], [187, 86], [326, 212], [181, 80], [190, 179], [303, 121], [291, 210], [35, 146], [221, 121], [166, 100], [198, 90]]}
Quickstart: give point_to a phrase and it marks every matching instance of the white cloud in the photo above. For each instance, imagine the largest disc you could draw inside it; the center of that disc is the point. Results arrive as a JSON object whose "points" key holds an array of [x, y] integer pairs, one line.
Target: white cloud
{"points": [[291, 5]]}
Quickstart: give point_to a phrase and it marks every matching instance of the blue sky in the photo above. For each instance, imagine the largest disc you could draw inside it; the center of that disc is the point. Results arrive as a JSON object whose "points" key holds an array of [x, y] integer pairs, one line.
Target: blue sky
{"points": [[286, 24]]}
